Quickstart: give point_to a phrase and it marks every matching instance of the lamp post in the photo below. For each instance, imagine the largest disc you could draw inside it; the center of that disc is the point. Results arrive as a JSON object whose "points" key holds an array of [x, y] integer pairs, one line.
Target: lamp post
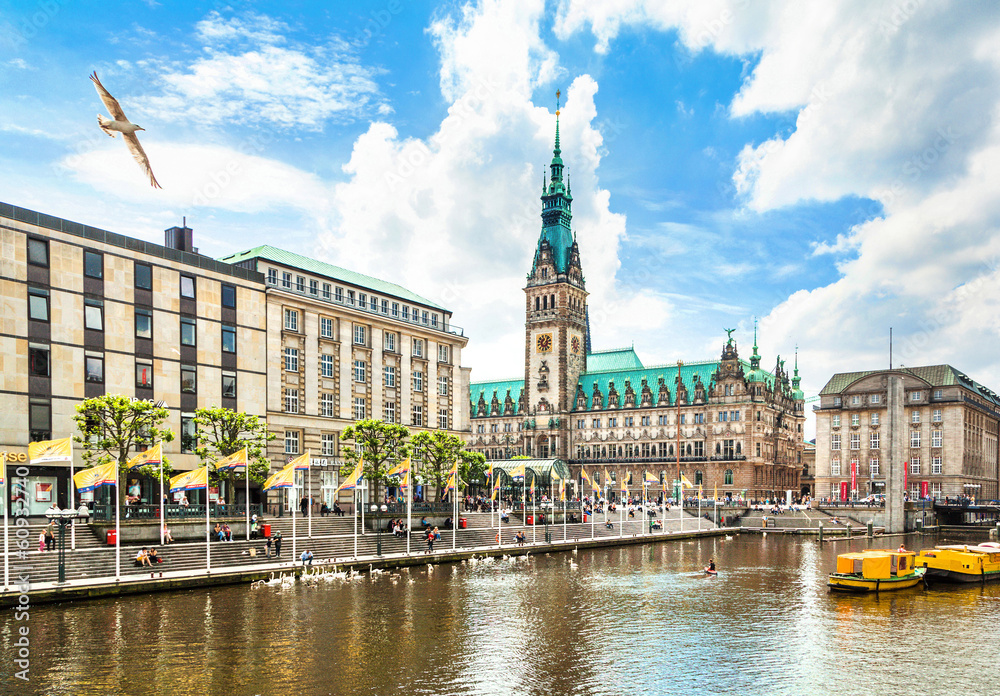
{"points": [[378, 527], [64, 518]]}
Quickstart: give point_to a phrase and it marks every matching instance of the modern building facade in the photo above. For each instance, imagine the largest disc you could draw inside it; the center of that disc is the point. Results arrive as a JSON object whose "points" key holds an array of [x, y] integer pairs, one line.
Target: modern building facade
{"points": [[727, 423], [343, 347], [89, 312], [950, 443]]}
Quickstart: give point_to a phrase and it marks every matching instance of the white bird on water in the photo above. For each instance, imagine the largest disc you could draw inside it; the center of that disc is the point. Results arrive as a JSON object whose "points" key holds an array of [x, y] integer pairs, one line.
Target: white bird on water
{"points": [[122, 125]]}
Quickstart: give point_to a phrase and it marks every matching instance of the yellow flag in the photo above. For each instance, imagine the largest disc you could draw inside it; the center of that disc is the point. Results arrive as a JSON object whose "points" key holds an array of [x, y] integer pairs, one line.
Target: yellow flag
{"points": [[154, 455], [233, 461], [51, 451], [282, 479], [685, 482], [351, 482]]}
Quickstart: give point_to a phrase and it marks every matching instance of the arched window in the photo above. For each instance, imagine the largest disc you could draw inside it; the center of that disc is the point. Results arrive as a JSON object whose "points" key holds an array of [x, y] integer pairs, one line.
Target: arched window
{"points": [[538, 303], [671, 453], [545, 302], [698, 478], [552, 302], [739, 447], [729, 477]]}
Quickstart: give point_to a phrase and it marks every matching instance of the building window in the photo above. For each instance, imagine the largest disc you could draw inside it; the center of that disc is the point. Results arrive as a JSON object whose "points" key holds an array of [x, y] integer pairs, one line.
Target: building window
{"points": [[418, 348], [876, 398], [596, 423], [189, 379], [143, 323], [338, 294], [286, 280], [835, 421], [189, 440], [874, 441], [291, 442], [326, 365], [936, 417], [423, 317], [855, 399], [144, 375], [395, 309], [389, 342], [350, 297], [406, 312], [38, 360], [728, 477], [389, 376], [188, 332], [835, 441], [418, 416], [272, 276], [291, 401], [443, 385], [915, 417], [418, 381], [362, 300], [855, 419], [938, 393], [291, 320], [836, 401], [443, 353], [915, 465], [855, 441], [645, 420], [325, 327], [443, 418], [360, 371], [360, 335], [373, 304], [734, 416], [328, 444], [143, 276], [359, 408], [385, 306], [434, 317], [300, 283], [38, 304], [936, 465], [229, 296], [313, 287], [612, 422], [874, 419], [93, 315], [916, 396], [93, 264], [835, 467], [327, 288], [291, 359], [914, 438], [38, 252], [39, 420], [94, 367], [389, 411], [229, 385], [326, 405], [187, 287], [228, 338], [936, 438], [873, 467]]}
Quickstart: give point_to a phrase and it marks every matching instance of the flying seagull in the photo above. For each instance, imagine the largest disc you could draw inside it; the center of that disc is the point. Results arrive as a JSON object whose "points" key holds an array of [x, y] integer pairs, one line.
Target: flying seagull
{"points": [[123, 126]]}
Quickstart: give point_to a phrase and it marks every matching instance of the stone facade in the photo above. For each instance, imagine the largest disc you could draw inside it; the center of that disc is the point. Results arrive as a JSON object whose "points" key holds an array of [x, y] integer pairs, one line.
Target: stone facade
{"points": [[949, 440]]}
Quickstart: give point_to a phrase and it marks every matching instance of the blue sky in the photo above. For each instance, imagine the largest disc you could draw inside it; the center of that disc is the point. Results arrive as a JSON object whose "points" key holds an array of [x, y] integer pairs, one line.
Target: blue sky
{"points": [[828, 169]]}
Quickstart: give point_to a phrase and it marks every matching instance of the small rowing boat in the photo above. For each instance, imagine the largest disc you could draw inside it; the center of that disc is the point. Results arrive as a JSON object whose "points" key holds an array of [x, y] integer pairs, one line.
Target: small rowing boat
{"points": [[875, 570]]}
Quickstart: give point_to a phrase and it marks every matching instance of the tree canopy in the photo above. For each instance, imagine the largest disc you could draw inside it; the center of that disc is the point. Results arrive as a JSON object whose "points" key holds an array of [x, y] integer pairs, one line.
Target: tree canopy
{"points": [[381, 445], [436, 452], [221, 432]]}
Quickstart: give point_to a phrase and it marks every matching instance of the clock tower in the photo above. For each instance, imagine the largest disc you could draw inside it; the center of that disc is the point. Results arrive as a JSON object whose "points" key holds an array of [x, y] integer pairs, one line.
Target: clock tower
{"points": [[555, 319]]}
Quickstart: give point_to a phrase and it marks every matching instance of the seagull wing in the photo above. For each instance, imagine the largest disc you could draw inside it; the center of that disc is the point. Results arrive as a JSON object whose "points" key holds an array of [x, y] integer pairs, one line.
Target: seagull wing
{"points": [[140, 156], [110, 103]]}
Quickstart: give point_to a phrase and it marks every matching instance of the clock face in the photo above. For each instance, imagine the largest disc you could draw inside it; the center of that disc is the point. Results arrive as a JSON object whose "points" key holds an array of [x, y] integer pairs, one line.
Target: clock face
{"points": [[574, 344], [543, 343]]}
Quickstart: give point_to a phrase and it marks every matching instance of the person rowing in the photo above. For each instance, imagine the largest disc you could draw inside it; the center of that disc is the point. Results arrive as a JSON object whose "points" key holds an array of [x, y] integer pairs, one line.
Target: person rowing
{"points": [[711, 566]]}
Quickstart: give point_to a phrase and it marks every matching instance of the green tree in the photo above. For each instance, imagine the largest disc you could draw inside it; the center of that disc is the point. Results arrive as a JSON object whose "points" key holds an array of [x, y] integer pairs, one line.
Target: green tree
{"points": [[114, 428], [221, 432], [381, 445], [437, 451]]}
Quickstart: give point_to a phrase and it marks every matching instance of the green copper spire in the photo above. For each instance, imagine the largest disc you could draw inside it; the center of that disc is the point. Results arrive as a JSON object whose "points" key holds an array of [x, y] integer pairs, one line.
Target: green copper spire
{"points": [[557, 163], [755, 358], [796, 379], [557, 212]]}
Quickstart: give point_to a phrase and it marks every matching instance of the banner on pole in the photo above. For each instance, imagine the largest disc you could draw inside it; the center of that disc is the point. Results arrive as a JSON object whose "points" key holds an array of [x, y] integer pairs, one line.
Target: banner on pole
{"points": [[51, 451]]}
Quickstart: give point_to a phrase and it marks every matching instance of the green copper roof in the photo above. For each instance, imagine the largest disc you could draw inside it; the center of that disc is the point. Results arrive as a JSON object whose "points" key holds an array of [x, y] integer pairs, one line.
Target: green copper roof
{"points": [[613, 359], [337, 273], [497, 387], [934, 375]]}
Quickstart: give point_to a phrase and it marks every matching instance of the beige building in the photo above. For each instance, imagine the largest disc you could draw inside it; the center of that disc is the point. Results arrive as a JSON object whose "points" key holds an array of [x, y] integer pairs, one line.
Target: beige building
{"points": [[950, 442], [88, 312], [343, 346]]}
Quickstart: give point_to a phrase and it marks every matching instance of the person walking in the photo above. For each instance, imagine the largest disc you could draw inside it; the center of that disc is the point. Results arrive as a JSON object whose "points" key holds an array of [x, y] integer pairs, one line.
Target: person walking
{"points": [[277, 545], [430, 541], [267, 548]]}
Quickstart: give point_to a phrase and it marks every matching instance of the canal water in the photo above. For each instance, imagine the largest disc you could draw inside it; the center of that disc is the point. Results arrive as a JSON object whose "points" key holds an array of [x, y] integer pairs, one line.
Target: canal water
{"points": [[629, 620]]}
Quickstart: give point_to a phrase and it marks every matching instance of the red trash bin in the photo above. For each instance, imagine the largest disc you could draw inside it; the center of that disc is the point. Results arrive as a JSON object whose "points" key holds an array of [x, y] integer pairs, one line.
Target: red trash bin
{"points": [[531, 519], [267, 530], [463, 523], [112, 537], [585, 517]]}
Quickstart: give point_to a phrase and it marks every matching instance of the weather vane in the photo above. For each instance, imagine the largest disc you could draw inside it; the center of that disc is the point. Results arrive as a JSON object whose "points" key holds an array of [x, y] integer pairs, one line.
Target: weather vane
{"points": [[558, 94]]}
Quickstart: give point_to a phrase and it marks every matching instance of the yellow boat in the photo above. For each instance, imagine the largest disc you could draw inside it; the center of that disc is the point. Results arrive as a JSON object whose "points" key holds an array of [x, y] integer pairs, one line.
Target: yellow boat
{"points": [[962, 563], [875, 570]]}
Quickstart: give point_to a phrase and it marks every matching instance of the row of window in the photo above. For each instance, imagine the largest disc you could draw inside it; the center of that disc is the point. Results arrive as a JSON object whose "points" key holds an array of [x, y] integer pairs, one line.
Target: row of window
{"points": [[360, 372], [390, 340], [361, 300], [915, 416], [725, 448], [93, 267], [937, 439], [873, 466], [857, 399], [293, 438], [629, 421]]}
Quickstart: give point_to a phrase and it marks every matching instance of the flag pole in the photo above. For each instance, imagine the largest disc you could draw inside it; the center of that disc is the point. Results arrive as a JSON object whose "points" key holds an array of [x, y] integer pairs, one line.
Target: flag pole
{"points": [[208, 528], [593, 534], [534, 510], [162, 511], [118, 540], [409, 505], [246, 471], [309, 495], [290, 490], [355, 519], [72, 499], [6, 539]]}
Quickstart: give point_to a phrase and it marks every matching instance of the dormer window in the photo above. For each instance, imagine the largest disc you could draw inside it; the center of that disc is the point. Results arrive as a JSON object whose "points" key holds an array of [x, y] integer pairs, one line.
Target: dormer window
{"points": [[545, 273]]}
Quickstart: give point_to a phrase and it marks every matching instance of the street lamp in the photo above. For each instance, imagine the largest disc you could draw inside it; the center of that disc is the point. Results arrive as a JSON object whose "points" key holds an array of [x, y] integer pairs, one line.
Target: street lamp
{"points": [[64, 518], [378, 527]]}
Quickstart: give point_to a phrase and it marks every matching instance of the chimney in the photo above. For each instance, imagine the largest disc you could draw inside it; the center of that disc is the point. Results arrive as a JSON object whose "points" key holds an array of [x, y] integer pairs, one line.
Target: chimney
{"points": [[180, 238]]}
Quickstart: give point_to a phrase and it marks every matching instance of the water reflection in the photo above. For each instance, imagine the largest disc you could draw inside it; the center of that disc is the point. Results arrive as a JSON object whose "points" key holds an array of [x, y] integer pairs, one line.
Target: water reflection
{"points": [[631, 620]]}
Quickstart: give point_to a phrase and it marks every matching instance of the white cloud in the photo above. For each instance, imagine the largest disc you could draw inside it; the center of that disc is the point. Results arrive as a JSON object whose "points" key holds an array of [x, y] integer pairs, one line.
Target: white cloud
{"points": [[895, 102], [253, 73]]}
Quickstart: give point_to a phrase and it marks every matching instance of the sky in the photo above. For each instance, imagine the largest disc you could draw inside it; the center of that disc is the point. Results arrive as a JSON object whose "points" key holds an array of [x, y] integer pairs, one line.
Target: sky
{"points": [[829, 170]]}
